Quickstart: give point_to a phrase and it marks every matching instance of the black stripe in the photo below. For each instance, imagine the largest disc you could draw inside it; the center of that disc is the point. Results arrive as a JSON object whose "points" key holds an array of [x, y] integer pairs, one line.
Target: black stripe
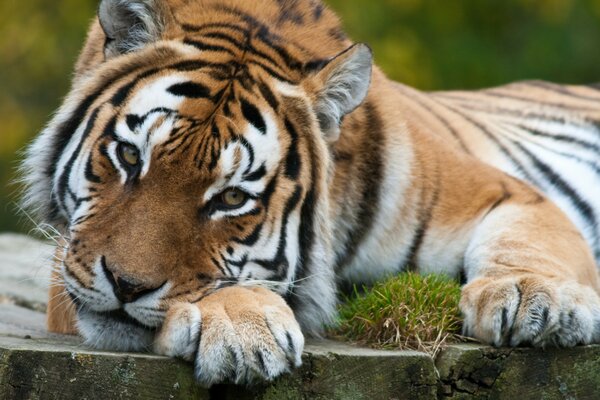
{"points": [[253, 116], [256, 175], [268, 95], [242, 140], [315, 65], [133, 121], [495, 93], [215, 152], [285, 58], [66, 130], [218, 25], [497, 110], [425, 217], [370, 175], [271, 72], [247, 18], [560, 89], [193, 90], [288, 12], [123, 92], [89, 171], [306, 230], [209, 47], [185, 135], [280, 261], [104, 151], [591, 164], [252, 238], [179, 132], [505, 151], [266, 195], [563, 186], [109, 129], [436, 115], [83, 219], [66, 172], [292, 160], [191, 65], [201, 151], [225, 37], [585, 145], [220, 267]]}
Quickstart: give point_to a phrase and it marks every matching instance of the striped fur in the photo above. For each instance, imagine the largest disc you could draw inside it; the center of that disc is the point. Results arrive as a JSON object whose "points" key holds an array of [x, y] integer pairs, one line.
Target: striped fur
{"points": [[498, 186]]}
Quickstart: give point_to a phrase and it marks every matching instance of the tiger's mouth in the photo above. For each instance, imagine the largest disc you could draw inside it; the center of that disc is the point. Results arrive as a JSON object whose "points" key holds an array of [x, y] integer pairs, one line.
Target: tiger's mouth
{"points": [[118, 315], [122, 317], [122, 328], [114, 330]]}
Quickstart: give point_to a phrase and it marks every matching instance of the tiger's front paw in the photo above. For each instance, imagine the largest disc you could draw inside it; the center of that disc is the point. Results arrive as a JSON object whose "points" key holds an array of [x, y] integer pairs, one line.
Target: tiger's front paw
{"points": [[234, 335], [530, 310]]}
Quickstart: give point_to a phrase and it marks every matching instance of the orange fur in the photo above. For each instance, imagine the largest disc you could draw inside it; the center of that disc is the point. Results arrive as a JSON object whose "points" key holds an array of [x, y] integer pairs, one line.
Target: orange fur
{"points": [[61, 313]]}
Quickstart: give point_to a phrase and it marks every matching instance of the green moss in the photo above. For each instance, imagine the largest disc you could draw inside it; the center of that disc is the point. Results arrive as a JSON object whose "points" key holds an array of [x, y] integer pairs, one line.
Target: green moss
{"points": [[407, 311]]}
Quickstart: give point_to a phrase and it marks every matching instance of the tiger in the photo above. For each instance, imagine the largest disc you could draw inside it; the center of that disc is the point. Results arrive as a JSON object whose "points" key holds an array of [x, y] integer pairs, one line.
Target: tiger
{"points": [[220, 168]]}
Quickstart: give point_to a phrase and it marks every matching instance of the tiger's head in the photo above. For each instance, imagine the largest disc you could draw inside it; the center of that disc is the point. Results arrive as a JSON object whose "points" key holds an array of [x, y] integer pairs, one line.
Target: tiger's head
{"points": [[194, 152]]}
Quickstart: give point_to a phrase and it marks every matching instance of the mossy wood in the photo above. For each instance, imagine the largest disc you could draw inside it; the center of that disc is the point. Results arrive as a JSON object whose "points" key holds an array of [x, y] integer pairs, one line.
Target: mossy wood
{"points": [[38, 365], [54, 369]]}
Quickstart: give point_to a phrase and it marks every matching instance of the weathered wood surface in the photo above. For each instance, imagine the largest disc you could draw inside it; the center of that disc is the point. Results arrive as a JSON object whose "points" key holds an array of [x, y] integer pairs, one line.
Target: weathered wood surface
{"points": [[24, 270], [37, 365], [481, 372]]}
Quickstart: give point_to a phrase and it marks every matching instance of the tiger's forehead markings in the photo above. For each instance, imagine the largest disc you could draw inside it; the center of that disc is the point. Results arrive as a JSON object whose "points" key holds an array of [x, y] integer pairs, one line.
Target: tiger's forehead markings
{"points": [[282, 58], [229, 69], [155, 109]]}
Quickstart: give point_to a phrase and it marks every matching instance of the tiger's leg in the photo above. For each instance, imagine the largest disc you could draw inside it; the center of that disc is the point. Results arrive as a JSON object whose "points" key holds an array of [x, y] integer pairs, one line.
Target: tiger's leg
{"points": [[531, 279], [236, 334], [61, 313]]}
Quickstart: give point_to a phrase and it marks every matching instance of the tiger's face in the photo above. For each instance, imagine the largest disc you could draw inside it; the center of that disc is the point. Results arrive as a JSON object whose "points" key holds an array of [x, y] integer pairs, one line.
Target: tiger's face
{"points": [[187, 185], [177, 171]]}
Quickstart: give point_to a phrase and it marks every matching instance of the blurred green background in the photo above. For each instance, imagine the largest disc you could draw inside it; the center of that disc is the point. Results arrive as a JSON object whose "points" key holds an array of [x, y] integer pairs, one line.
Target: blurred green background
{"points": [[430, 44]]}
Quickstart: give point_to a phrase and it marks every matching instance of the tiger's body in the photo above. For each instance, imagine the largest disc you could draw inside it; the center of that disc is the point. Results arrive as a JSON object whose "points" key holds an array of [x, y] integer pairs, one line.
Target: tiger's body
{"points": [[541, 133], [215, 157]]}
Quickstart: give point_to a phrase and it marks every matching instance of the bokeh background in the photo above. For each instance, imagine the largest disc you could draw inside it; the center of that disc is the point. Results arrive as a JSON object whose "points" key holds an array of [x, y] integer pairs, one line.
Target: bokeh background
{"points": [[429, 44]]}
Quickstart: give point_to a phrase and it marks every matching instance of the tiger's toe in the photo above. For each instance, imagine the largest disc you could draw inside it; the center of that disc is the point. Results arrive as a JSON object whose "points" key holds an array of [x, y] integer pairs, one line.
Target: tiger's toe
{"points": [[530, 310], [180, 332]]}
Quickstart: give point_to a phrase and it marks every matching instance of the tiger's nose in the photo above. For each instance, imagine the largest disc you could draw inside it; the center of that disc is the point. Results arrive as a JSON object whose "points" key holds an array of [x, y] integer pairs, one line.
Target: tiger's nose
{"points": [[126, 290]]}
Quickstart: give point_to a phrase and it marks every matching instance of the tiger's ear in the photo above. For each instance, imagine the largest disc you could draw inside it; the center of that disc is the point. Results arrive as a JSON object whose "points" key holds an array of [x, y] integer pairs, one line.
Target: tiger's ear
{"points": [[131, 24], [340, 86]]}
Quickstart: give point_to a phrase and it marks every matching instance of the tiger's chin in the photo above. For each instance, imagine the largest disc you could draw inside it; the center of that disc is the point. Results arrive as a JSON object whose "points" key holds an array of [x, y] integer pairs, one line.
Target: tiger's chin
{"points": [[114, 330]]}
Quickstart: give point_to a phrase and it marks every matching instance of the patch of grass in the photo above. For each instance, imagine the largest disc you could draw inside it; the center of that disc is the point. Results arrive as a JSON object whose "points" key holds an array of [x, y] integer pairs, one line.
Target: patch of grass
{"points": [[407, 311]]}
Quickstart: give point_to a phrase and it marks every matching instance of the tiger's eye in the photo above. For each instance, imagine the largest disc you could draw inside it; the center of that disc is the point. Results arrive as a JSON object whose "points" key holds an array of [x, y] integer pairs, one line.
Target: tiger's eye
{"points": [[129, 154], [233, 198]]}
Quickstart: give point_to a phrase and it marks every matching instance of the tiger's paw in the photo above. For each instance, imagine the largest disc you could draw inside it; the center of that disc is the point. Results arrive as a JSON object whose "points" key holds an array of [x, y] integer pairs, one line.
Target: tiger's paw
{"points": [[236, 335], [530, 310]]}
